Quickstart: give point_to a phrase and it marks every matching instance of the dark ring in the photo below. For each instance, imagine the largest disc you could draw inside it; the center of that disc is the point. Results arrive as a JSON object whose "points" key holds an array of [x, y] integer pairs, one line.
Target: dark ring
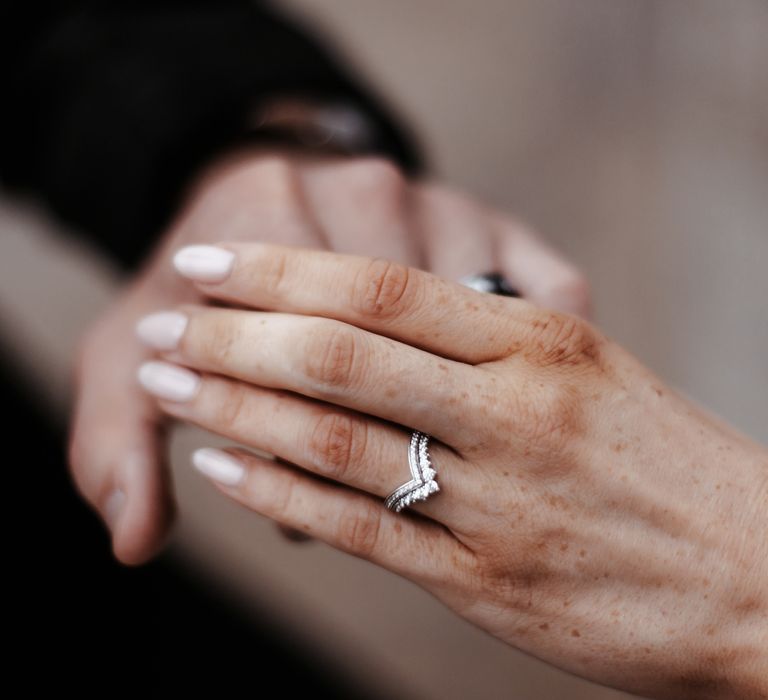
{"points": [[491, 282]]}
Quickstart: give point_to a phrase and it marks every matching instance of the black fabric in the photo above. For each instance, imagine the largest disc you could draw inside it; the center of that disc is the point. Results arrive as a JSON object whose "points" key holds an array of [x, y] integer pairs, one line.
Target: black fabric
{"points": [[113, 106], [110, 108]]}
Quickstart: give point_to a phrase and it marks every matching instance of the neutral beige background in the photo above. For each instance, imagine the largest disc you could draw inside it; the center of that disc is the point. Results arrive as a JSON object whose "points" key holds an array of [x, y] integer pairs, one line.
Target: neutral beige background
{"points": [[634, 133]]}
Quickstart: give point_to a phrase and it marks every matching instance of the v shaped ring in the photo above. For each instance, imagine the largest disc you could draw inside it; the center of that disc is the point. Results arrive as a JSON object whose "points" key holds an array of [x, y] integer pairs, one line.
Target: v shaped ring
{"points": [[422, 483]]}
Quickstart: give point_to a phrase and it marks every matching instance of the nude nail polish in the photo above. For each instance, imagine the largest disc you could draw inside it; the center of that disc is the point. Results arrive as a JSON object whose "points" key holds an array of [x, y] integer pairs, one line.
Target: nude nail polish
{"points": [[219, 466], [168, 381], [162, 330], [204, 263]]}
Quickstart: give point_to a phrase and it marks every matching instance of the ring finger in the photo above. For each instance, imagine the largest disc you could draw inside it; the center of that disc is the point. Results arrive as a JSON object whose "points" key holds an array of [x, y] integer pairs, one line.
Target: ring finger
{"points": [[332, 442]]}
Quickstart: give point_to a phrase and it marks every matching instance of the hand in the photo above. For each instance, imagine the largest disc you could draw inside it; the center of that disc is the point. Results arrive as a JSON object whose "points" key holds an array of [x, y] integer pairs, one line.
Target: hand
{"points": [[586, 514], [360, 205]]}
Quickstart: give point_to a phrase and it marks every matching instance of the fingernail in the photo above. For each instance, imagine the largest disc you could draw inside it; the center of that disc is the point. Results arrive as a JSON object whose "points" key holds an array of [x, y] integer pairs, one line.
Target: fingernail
{"points": [[162, 330], [113, 507], [168, 381], [204, 263], [218, 465]]}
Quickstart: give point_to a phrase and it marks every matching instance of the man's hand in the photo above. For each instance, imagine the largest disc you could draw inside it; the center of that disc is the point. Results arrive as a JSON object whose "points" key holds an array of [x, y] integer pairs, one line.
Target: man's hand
{"points": [[350, 205]]}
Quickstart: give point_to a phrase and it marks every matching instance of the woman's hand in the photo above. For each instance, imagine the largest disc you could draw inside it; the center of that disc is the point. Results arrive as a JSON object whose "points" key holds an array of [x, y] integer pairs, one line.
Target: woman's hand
{"points": [[360, 205], [586, 513]]}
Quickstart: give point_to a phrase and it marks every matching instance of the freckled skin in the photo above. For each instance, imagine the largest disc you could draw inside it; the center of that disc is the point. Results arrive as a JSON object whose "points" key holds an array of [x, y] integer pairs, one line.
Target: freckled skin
{"points": [[587, 515], [592, 488]]}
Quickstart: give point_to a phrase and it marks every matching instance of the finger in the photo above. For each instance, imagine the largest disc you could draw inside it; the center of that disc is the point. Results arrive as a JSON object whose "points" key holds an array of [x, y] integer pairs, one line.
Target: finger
{"points": [[115, 455], [331, 442], [361, 207], [335, 362], [391, 299], [540, 273], [351, 521], [457, 237]]}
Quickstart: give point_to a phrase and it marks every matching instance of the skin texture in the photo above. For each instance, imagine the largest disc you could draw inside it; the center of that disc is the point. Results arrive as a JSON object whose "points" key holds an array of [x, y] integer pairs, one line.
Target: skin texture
{"points": [[587, 514], [353, 205]]}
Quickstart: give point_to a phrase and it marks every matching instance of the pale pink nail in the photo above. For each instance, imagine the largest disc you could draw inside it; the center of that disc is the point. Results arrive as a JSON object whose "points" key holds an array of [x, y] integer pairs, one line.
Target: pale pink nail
{"points": [[162, 330], [168, 381], [204, 263], [219, 466]]}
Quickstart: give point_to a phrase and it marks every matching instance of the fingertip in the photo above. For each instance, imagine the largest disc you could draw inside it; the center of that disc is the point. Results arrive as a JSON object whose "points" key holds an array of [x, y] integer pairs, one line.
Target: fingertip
{"points": [[136, 540], [140, 510]]}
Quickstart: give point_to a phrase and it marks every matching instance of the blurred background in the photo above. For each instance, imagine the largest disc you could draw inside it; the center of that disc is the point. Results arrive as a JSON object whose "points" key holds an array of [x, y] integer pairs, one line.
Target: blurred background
{"points": [[633, 134]]}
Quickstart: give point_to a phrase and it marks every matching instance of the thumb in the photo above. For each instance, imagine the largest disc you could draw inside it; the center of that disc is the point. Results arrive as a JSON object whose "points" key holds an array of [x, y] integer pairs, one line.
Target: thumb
{"points": [[116, 447]]}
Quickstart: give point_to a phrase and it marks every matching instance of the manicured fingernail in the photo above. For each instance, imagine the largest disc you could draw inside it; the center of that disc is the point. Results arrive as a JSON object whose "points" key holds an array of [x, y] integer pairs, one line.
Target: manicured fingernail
{"points": [[204, 263], [113, 507], [168, 381], [219, 466], [162, 330]]}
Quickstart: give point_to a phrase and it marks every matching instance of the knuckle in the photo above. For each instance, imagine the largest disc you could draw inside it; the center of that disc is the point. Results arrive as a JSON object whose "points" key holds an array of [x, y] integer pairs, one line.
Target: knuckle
{"points": [[563, 340], [332, 358], [517, 574], [379, 174], [276, 172], [558, 416], [572, 293], [359, 528], [382, 289], [272, 271], [337, 444], [233, 409], [284, 505]]}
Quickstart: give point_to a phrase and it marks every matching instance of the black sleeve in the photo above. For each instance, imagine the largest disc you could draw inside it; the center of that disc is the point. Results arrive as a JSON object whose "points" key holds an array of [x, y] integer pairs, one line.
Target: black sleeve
{"points": [[112, 106]]}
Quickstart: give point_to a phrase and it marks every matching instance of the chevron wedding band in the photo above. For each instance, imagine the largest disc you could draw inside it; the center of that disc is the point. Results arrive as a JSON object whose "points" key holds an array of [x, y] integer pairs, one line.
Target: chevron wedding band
{"points": [[422, 483]]}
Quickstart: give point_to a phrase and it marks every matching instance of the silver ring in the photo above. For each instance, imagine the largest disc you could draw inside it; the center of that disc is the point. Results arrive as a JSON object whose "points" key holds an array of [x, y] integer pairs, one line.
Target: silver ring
{"points": [[491, 282], [422, 483]]}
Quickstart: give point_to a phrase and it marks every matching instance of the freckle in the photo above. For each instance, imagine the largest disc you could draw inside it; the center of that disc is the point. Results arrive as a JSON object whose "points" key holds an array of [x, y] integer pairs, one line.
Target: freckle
{"points": [[564, 547], [398, 527], [442, 367], [706, 581], [647, 650], [658, 391], [619, 446], [505, 473], [464, 395], [262, 322], [545, 626], [717, 487], [710, 631], [615, 613], [575, 633], [306, 527], [391, 393], [582, 552]]}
